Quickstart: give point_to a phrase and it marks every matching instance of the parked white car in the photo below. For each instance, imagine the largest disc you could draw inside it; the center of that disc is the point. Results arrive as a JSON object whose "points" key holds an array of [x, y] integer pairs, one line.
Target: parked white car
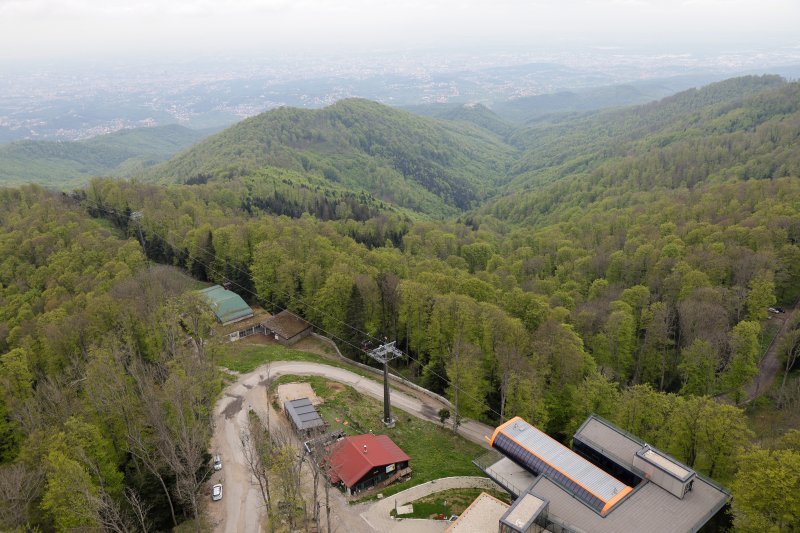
{"points": [[216, 492], [217, 462]]}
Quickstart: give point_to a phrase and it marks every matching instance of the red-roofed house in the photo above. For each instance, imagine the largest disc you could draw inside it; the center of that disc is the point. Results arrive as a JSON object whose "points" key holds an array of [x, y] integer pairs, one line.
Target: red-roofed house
{"points": [[361, 462]]}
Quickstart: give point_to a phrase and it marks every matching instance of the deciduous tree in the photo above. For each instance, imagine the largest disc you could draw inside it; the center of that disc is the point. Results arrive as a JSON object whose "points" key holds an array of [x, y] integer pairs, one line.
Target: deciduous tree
{"points": [[743, 363], [698, 368], [760, 297], [765, 491]]}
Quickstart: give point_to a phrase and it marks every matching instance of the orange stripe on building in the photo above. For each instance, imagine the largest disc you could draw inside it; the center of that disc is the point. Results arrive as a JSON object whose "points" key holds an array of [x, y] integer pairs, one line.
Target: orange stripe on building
{"points": [[615, 500], [609, 503], [501, 427]]}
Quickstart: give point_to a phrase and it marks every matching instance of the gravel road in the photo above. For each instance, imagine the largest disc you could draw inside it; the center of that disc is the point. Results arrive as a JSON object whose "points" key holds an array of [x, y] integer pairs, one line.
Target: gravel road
{"points": [[241, 509], [770, 365]]}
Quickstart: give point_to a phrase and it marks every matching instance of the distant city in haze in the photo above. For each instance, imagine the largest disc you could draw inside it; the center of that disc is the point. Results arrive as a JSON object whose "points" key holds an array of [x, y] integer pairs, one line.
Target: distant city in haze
{"points": [[81, 100], [71, 71]]}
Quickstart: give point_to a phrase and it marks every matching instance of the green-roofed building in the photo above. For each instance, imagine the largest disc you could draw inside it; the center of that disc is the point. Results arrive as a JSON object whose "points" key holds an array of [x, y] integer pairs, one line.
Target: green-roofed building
{"points": [[227, 306]]}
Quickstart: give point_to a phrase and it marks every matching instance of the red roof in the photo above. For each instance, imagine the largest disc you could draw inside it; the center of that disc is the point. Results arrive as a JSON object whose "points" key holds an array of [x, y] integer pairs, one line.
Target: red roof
{"points": [[349, 462]]}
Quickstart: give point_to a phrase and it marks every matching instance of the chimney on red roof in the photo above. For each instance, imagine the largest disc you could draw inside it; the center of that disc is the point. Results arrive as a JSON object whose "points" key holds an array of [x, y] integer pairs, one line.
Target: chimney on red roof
{"points": [[365, 448]]}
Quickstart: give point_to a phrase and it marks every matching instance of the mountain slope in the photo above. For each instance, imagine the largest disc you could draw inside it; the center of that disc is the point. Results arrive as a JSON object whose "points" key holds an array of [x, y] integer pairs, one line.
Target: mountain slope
{"points": [[67, 164], [530, 109], [473, 113], [566, 145], [435, 167], [753, 137]]}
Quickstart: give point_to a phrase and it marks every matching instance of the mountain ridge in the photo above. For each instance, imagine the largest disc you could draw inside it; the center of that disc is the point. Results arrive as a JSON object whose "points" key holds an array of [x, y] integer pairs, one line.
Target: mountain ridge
{"points": [[72, 163], [432, 166]]}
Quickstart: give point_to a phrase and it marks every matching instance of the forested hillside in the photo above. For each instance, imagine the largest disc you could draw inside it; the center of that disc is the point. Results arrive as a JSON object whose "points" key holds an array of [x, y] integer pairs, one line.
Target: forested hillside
{"points": [[429, 166], [628, 273], [569, 145], [71, 164], [477, 114], [530, 109], [105, 399]]}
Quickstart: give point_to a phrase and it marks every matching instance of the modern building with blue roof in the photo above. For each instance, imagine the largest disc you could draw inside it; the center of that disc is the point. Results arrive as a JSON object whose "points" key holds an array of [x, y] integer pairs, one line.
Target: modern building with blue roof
{"points": [[539, 453], [609, 482], [227, 306]]}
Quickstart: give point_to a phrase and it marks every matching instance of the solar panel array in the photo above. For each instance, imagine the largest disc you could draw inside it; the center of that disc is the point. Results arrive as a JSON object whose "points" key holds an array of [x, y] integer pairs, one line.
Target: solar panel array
{"points": [[304, 414]]}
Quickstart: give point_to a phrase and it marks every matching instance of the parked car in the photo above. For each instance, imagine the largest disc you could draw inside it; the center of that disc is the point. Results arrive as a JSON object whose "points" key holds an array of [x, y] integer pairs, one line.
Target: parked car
{"points": [[780, 309], [216, 492], [773, 310], [217, 462]]}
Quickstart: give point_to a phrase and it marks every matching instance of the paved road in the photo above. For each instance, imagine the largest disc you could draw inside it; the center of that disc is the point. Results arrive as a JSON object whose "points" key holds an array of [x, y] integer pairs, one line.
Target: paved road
{"points": [[770, 365], [241, 509]]}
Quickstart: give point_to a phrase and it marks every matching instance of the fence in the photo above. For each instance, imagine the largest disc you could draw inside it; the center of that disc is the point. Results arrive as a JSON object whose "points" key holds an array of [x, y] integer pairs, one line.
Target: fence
{"points": [[485, 463]]}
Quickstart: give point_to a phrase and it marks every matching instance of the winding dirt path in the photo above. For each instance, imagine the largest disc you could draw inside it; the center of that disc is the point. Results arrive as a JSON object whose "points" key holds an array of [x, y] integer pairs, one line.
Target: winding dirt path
{"points": [[241, 509], [770, 366]]}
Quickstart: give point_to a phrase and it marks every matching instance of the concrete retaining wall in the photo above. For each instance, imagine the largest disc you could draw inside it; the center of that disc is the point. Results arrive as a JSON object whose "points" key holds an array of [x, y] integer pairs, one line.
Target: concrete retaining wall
{"points": [[381, 509]]}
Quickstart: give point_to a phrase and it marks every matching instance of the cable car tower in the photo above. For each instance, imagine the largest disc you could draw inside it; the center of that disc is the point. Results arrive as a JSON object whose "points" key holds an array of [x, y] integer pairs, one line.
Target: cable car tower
{"points": [[383, 354]]}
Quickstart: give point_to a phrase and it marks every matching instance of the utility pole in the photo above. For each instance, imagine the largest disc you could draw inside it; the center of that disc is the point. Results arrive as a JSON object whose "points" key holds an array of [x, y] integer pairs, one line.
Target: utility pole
{"points": [[384, 354]]}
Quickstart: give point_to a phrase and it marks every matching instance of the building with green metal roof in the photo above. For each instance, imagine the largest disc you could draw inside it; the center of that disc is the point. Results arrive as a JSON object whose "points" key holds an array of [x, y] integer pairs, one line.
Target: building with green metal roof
{"points": [[228, 306]]}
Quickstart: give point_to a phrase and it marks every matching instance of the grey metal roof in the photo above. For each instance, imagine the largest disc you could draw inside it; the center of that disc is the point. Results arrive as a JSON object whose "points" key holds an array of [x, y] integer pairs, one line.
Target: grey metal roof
{"points": [[303, 414], [648, 508], [533, 448], [524, 511], [609, 440], [666, 463], [622, 446]]}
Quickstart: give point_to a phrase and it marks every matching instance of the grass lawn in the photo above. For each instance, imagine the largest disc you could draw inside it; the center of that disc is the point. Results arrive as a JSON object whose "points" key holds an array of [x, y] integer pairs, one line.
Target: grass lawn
{"points": [[435, 452], [247, 357], [449, 502]]}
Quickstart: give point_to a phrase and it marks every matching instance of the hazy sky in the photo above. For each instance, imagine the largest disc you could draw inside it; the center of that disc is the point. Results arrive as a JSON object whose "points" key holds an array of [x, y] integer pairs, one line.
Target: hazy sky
{"points": [[93, 29]]}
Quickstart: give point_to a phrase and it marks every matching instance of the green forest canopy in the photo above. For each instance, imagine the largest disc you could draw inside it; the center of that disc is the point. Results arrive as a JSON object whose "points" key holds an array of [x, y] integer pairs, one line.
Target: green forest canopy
{"points": [[630, 279]]}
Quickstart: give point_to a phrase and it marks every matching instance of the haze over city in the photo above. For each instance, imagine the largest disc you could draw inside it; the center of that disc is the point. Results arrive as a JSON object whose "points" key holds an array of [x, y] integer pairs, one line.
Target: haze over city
{"points": [[80, 68], [98, 29]]}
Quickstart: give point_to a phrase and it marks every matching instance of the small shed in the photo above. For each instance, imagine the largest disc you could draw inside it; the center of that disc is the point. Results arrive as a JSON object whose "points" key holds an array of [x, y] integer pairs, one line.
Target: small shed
{"points": [[287, 327], [227, 306], [304, 417]]}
